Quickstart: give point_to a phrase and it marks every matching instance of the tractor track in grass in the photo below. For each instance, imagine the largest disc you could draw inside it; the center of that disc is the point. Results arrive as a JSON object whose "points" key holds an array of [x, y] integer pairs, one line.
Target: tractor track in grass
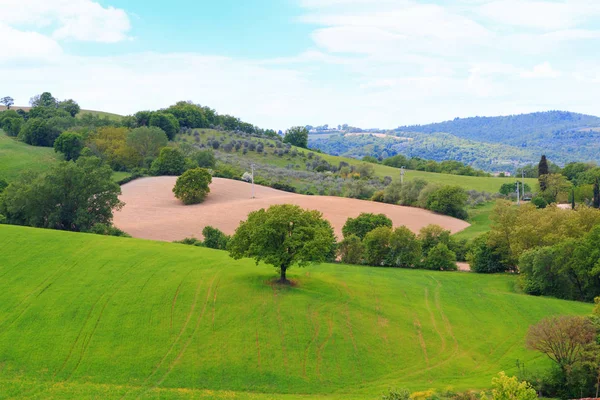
{"points": [[177, 294], [316, 329], [321, 347], [176, 340], [191, 337], [438, 306], [86, 343], [433, 321], [350, 328], [37, 290]]}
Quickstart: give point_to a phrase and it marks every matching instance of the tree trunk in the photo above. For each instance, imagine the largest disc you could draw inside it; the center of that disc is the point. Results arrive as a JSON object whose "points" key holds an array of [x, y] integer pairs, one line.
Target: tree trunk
{"points": [[282, 278]]}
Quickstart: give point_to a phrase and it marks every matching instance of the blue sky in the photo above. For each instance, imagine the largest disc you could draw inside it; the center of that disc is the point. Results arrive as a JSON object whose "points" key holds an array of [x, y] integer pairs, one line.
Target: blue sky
{"points": [[278, 63]]}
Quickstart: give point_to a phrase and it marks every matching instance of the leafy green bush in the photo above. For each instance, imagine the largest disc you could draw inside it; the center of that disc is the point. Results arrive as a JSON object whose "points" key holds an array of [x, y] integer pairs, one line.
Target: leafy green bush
{"points": [[351, 250], [396, 394], [449, 200], [440, 258], [404, 249], [69, 144], [169, 162], [107, 230], [539, 202], [377, 246], [487, 257], [192, 186], [365, 223], [214, 238], [38, 132]]}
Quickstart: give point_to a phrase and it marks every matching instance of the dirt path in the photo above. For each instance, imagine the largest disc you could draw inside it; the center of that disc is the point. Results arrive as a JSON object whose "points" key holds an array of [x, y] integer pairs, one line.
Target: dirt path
{"points": [[153, 212]]}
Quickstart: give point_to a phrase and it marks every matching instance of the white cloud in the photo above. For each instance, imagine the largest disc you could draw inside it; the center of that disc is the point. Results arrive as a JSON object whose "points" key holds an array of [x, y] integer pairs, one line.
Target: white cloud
{"points": [[21, 46], [546, 15], [83, 20], [542, 71]]}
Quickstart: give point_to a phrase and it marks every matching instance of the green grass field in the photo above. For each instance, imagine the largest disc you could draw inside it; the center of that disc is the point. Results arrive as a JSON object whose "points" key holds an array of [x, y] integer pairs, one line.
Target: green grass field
{"points": [[87, 317], [479, 218], [487, 184], [16, 157]]}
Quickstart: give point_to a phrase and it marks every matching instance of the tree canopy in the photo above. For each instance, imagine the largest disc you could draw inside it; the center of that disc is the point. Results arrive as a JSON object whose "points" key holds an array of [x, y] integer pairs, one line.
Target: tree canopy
{"points": [[192, 186], [71, 196], [284, 236], [297, 136]]}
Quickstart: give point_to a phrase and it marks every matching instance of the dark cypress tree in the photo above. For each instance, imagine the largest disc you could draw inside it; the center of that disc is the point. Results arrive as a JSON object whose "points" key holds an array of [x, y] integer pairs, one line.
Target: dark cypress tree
{"points": [[542, 170], [596, 203], [573, 198]]}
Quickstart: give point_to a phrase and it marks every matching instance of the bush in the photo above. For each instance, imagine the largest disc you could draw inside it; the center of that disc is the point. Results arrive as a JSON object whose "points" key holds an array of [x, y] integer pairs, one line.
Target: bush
{"points": [[169, 162], [405, 249], [192, 186], [214, 238], [486, 257], [449, 200], [283, 186], [69, 144], [351, 250], [539, 202], [377, 246], [441, 258], [12, 125], [165, 121], [204, 158], [3, 185], [396, 394], [432, 235], [37, 132], [107, 230], [365, 223], [506, 388], [190, 242]]}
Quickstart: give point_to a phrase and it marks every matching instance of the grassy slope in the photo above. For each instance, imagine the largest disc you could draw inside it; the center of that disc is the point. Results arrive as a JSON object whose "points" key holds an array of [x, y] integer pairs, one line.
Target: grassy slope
{"points": [[16, 157], [83, 316], [479, 218], [490, 184]]}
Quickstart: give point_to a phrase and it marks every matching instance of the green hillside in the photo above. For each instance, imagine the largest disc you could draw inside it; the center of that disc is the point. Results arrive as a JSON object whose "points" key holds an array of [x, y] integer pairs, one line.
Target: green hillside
{"points": [[16, 157], [85, 316], [268, 158]]}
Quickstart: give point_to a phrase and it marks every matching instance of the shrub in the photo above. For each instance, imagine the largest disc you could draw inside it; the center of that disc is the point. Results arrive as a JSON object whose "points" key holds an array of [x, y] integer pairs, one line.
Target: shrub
{"points": [[37, 132], [441, 258], [405, 249], [3, 185], [165, 121], [107, 230], [396, 394], [69, 144], [192, 186], [283, 186], [169, 162], [214, 238], [449, 200], [507, 388], [539, 202], [12, 125], [204, 158], [351, 250], [487, 257], [190, 242], [377, 246], [431, 235], [364, 224]]}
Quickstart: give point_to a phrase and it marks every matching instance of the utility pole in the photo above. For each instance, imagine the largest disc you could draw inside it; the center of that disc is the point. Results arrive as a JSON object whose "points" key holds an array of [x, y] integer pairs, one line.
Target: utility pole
{"points": [[402, 172], [252, 166], [518, 194]]}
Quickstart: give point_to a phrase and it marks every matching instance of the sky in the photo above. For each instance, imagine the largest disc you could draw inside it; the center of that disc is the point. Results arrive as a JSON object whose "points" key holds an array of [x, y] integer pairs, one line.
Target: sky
{"points": [[280, 63]]}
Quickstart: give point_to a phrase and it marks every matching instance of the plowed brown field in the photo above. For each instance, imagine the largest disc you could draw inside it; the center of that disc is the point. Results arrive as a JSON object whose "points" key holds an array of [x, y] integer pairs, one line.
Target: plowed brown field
{"points": [[153, 212]]}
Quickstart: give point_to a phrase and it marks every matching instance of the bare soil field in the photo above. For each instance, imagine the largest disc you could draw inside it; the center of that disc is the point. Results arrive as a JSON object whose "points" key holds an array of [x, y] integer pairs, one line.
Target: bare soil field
{"points": [[153, 212]]}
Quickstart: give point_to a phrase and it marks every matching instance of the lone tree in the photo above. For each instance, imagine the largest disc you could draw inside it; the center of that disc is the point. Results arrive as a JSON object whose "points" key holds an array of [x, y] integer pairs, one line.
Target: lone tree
{"points": [[282, 236], [563, 339], [297, 136], [192, 186], [542, 171], [7, 101], [596, 202]]}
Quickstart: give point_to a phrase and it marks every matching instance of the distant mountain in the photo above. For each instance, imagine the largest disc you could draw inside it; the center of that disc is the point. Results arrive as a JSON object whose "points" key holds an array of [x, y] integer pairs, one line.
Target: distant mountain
{"points": [[517, 130], [489, 143]]}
